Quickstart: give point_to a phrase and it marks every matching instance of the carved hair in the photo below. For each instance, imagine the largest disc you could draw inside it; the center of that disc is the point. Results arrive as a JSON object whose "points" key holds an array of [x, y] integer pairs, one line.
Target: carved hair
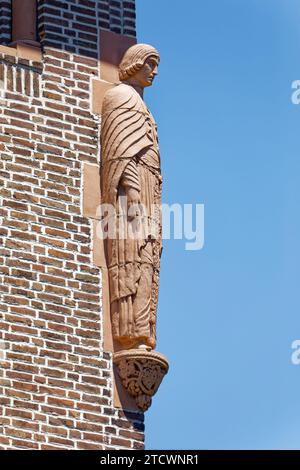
{"points": [[134, 59]]}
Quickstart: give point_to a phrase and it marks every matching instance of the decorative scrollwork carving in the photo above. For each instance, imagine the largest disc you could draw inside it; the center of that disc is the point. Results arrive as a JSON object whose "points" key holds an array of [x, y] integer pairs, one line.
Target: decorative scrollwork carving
{"points": [[141, 373]]}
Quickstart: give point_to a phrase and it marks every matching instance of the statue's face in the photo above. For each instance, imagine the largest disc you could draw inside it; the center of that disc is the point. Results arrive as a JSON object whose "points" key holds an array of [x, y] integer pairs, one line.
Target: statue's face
{"points": [[148, 72]]}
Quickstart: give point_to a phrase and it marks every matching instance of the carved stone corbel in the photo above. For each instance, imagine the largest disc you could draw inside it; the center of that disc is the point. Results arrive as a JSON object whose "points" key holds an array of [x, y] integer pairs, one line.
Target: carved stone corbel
{"points": [[141, 373]]}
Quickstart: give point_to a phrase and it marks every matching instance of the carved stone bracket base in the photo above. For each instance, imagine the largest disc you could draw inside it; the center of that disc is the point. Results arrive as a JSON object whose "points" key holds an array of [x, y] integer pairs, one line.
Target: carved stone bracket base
{"points": [[141, 373]]}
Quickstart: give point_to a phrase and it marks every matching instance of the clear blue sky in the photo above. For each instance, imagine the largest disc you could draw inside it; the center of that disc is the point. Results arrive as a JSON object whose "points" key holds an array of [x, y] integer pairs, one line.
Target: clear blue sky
{"points": [[229, 138]]}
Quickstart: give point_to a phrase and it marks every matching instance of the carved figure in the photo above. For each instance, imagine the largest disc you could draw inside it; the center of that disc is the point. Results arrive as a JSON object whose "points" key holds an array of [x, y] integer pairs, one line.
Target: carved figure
{"points": [[130, 172]]}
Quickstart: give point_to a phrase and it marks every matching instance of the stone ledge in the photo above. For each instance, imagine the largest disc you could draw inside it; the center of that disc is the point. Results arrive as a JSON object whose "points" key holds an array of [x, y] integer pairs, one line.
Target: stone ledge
{"points": [[23, 51]]}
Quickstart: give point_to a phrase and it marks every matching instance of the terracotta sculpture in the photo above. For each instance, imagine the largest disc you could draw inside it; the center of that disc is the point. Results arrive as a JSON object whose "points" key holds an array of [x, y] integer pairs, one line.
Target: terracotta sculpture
{"points": [[131, 185], [130, 166]]}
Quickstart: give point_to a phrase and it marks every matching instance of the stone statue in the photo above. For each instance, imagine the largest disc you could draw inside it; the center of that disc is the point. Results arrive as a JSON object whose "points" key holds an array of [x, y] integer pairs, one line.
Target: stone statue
{"points": [[131, 185], [130, 172]]}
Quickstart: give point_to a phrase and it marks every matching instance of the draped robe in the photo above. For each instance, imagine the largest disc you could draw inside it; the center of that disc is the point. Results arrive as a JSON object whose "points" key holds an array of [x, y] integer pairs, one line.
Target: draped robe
{"points": [[130, 158]]}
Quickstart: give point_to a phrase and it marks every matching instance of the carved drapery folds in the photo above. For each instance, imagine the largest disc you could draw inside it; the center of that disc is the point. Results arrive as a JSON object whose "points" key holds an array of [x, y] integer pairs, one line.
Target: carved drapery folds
{"points": [[131, 184]]}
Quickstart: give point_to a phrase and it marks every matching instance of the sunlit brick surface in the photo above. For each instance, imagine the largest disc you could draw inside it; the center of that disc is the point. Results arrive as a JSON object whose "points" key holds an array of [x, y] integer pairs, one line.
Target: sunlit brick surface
{"points": [[56, 389]]}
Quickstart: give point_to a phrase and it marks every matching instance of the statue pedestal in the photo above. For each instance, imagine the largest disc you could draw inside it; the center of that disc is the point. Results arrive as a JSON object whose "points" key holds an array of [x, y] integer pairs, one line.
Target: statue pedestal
{"points": [[141, 373]]}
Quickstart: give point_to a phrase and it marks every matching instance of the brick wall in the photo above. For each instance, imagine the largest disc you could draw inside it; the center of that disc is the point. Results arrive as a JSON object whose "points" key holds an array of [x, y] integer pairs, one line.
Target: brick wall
{"points": [[56, 382], [117, 16], [70, 26], [113, 15]]}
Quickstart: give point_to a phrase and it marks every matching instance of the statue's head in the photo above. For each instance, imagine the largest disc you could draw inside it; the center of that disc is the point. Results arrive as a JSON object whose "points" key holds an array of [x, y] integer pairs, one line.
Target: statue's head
{"points": [[140, 63]]}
